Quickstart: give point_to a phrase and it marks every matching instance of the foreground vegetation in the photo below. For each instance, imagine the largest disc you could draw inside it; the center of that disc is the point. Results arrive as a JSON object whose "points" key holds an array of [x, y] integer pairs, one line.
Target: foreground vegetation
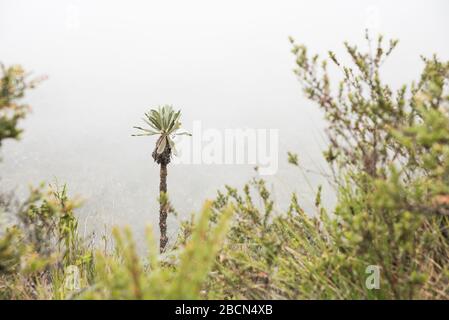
{"points": [[389, 154]]}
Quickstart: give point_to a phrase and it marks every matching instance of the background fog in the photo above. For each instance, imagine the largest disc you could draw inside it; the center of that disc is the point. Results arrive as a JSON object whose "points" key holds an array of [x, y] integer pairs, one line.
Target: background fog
{"points": [[226, 63]]}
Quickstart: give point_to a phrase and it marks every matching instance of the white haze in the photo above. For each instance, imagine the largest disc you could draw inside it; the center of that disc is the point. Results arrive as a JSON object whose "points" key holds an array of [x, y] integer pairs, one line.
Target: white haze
{"points": [[226, 63]]}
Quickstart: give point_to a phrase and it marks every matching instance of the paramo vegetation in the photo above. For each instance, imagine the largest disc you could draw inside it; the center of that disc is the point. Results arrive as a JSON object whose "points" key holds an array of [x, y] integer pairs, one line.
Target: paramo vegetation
{"points": [[389, 157]]}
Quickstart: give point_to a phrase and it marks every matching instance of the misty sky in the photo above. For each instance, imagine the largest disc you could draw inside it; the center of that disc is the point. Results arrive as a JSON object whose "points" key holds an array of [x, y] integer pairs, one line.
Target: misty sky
{"points": [[225, 63]]}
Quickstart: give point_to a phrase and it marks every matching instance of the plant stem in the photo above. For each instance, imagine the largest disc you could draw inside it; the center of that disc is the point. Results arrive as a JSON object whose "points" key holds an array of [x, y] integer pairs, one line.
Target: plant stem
{"points": [[163, 207]]}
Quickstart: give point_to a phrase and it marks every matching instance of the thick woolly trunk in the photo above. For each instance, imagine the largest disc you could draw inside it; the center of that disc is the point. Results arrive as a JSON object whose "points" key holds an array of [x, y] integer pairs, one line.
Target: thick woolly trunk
{"points": [[163, 207]]}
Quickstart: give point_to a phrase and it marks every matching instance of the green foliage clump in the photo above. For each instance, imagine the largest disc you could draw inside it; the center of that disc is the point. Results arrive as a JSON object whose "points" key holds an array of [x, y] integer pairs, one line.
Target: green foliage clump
{"points": [[38, 244], [391, 149], [164, 122], [42, 257], [14, 83], [122, 275]]}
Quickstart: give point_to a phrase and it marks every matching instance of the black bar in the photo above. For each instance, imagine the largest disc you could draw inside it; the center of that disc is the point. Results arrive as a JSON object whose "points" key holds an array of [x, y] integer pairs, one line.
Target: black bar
{"points": [[178, 309]]}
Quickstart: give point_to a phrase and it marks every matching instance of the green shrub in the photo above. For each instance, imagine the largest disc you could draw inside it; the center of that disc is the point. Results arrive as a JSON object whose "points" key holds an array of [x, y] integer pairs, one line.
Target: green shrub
{"points": [[14, 82], [389, 156], [39, 244], [178, 275]]}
